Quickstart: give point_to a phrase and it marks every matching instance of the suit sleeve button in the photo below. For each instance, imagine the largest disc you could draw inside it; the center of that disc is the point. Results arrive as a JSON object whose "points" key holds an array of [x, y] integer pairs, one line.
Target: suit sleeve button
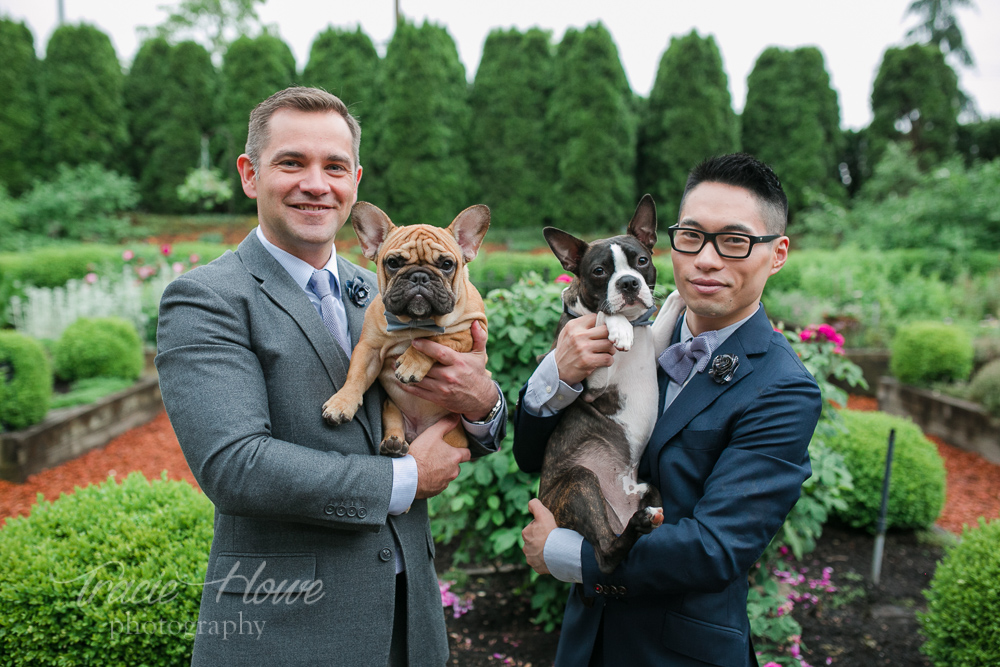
{"points": [[623, 591], [352, 511], [329, 509], [385, 554], [598, 589], [341, 511], [362, 512]]}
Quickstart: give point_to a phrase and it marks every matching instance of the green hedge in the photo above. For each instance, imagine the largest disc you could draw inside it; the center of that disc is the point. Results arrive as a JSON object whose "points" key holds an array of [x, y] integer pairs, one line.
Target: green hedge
{"points": [[928, 352], [99, 347], [110, 575], [25, 381], [985, 387], [963, 602], [917, 487]]}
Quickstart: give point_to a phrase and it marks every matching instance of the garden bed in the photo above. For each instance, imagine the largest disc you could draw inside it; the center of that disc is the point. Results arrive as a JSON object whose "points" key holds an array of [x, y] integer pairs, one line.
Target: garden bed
{"points": [[961, 423]]}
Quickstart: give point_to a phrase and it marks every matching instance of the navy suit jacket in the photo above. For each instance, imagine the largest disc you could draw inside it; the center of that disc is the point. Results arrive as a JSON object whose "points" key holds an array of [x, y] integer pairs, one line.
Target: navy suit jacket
{"points": [[729, 460]]}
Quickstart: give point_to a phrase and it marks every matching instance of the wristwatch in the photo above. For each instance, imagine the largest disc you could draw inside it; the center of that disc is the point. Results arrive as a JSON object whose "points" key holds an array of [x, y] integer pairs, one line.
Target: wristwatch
{"points": [[496, 408]]}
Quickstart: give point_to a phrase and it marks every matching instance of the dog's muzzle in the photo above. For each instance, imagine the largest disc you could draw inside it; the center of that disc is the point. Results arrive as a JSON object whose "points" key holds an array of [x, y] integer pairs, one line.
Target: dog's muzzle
{"points": [[419, 293]]}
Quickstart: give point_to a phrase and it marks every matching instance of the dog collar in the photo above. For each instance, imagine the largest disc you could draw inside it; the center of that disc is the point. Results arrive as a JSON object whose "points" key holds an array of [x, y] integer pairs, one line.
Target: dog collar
{"points": [[641, 321], [393, 323]]}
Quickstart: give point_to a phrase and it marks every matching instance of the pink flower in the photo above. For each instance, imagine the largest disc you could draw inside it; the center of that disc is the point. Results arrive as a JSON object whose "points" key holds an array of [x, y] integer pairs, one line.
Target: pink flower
{"points": [[564, 278], [146, 272], [128, 255], [165, 249], [178, 267], [772, 664], [194, 259], [806, 335], [91, 278]]}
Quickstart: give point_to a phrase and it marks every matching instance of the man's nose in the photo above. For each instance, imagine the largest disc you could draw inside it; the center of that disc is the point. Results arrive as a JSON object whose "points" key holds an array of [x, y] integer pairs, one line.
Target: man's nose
{"points": [[708, 257], [314, 181]]}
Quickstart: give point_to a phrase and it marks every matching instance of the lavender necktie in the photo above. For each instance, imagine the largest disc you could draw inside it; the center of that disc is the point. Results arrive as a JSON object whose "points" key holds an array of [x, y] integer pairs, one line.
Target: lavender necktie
{"points": [[320, 284], [678, 359]]}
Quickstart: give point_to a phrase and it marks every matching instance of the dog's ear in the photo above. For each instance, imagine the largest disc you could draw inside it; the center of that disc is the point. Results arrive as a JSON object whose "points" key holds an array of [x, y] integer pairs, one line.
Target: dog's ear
{"points": [[469, 227], [372, 226], [643, 223], [567, 248]]}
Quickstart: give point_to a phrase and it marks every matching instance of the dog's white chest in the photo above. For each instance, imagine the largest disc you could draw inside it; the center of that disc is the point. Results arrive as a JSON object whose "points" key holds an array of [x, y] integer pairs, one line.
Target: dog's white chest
{"points": [[634, 375]]}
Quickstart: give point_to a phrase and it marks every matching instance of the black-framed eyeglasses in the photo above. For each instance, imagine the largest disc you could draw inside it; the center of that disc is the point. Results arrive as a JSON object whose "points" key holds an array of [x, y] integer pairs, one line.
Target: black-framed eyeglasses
{"points": [[731, 245]]}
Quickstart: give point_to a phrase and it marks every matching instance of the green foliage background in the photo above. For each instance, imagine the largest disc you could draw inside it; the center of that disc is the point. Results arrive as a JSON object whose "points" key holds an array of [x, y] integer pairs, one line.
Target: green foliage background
{"points": [[19, 114], [25, 381]]}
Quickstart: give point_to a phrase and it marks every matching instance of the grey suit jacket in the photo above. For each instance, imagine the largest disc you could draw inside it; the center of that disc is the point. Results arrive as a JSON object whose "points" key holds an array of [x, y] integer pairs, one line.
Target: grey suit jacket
{"points": [[302, 565]]}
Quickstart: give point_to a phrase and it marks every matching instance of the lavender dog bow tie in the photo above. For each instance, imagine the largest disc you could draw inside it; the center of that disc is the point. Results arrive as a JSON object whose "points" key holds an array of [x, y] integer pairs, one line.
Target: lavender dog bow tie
{"points": [[678, 359]]}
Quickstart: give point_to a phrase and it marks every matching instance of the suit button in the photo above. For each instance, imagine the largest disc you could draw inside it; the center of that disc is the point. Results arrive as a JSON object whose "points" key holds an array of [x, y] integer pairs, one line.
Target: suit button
{"points": [[329, 509], [352, 511], [362, 512], [622, 591], [598, 589], [341, 511], [385, 554], [612, 590]]}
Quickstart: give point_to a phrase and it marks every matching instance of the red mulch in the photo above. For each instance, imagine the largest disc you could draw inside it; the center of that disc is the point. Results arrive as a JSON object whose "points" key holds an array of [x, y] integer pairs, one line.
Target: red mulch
{"points": [[973, 483]]}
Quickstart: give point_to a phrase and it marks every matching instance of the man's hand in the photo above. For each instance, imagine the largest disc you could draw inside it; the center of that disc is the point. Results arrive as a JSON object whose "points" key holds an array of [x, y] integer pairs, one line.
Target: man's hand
{"points": [[458, 382], [437, 461], [582, 348], [535, 534]]}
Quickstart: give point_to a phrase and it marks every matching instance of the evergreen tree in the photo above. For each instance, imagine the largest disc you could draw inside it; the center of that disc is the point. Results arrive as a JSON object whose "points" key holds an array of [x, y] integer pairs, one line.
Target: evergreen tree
{"points": [[426, 121], [346, 64], [509, 152], [20, 109], [592, 125], [84, 118], [916, 99], [939, 26], [791, 121], [147, 109], [980, 140], [253, 69], [689, 117]]}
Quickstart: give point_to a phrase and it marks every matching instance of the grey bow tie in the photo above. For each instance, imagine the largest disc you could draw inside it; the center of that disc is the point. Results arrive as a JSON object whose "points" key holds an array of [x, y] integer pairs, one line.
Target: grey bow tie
{"points": [[393, 323], [678, 359]]}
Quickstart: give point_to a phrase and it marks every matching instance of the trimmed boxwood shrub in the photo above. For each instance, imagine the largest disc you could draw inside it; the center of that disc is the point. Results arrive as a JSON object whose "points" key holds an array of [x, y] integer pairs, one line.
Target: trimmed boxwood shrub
{"points": [[99, 347], [985, 387], [25, 381], [916, 491], [927, 352], [110, 575], [963, 602]]}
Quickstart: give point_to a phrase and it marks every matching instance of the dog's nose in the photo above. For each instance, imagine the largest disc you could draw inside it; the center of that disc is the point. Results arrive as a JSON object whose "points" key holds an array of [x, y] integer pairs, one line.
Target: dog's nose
{"points": [[419, 277], [628, 284]]}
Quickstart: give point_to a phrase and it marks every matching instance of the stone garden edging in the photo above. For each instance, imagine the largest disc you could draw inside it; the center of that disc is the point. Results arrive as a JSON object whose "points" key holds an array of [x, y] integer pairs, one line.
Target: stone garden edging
{"points": [[69, 432], [962, 423]]}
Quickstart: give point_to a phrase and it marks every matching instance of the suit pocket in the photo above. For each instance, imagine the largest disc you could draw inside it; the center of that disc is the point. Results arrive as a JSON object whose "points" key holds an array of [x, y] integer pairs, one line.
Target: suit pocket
{"points": [[262, 574], [714, 644]]}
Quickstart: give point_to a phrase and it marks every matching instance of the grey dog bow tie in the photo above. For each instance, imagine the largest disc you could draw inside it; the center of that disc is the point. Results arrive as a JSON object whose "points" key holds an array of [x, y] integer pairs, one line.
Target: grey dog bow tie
{"points": [[678, 359], [393, 323]]}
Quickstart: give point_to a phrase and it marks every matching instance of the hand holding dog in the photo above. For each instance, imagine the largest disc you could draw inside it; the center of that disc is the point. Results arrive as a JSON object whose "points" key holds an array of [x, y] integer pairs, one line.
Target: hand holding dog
{"points": [[458, 382], [582, 348], [535, 534], [437, 461]]}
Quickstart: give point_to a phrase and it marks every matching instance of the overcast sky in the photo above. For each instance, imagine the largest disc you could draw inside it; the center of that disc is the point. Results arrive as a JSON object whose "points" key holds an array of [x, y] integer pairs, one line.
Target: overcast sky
{"points": [[852, 34]]}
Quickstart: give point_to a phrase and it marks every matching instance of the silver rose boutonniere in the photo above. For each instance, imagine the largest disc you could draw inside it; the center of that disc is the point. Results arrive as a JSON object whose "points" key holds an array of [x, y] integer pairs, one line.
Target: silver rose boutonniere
{"points": [[358, 292], [723, 367]]}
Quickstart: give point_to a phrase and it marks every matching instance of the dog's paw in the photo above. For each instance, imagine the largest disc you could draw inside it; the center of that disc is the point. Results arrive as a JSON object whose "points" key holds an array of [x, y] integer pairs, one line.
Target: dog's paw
{"points": [[644, 521], [394, 446], [620, 333], [337, 410], [411, 368], [655, 516]]}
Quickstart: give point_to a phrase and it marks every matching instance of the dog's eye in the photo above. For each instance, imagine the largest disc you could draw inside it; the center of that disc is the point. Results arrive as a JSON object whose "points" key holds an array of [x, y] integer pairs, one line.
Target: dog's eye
{"points": [[642, 261], [392, 263], [599, 271], [447, 265]]}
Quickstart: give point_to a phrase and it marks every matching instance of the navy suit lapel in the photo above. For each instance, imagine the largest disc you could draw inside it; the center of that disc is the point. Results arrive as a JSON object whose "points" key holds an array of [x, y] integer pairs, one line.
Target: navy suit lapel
{"points": [[749, 341], [289, 297]]}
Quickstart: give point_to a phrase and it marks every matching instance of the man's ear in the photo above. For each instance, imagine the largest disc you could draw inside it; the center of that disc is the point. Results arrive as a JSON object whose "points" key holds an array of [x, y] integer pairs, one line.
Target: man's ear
{"points": [[248, 175], [372, 226], [567, 248], [469, 227], [643, 223], [779, 255]]}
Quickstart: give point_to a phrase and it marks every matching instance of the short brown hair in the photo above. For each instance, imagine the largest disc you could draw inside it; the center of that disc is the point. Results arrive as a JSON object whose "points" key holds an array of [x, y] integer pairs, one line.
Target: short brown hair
{"points": [[299, 98]]}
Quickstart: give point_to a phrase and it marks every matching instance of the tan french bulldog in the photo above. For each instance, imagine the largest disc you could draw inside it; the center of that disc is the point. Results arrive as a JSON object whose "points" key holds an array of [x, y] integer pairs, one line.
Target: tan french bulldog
{"points": [[424, 292]]}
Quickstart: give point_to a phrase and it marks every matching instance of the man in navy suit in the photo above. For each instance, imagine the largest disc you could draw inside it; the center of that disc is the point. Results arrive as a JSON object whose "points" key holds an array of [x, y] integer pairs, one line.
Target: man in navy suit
{"points": [[729, 456]]}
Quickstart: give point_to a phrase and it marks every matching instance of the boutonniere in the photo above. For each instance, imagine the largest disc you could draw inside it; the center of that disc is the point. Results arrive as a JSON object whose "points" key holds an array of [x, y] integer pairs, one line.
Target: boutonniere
{"points": [[723, 367], [358, 292]]}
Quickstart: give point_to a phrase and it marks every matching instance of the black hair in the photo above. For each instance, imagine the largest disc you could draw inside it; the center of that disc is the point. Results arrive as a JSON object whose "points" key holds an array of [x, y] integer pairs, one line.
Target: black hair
{"points": [[745, 171]]}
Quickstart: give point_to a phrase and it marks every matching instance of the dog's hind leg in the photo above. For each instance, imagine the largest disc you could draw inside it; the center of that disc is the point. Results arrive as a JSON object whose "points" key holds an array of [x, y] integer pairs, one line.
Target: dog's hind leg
{"points": [[393, 431]]}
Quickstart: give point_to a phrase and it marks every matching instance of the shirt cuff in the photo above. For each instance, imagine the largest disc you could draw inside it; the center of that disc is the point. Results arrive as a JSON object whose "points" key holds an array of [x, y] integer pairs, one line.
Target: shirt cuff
{"points": [[486, 434], [562, 555], [404, 484], [546, 394]]}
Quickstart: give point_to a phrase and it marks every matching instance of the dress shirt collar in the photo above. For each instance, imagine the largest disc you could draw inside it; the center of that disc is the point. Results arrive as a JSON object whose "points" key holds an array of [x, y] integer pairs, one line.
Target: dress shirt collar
{"points": [[722, 334], [299, 270]]}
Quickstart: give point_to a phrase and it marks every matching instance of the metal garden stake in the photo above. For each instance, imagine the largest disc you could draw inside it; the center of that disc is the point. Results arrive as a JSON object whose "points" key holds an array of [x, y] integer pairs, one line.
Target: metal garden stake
{"points": [[883, 511]]}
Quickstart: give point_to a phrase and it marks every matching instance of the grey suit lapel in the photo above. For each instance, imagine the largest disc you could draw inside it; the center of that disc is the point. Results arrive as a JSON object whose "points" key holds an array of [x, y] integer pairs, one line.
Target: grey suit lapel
{"points": [[288, 296], [355, 322], [751, 339]]}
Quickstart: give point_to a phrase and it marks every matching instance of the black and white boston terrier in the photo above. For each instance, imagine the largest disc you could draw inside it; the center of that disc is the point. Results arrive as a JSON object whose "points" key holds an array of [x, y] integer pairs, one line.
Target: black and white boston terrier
{"points": [[588, 478]]}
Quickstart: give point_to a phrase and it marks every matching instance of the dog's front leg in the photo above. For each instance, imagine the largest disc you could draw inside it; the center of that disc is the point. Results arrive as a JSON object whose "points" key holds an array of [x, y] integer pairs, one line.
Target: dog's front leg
{"points": [[366, 361], [619, 331]]}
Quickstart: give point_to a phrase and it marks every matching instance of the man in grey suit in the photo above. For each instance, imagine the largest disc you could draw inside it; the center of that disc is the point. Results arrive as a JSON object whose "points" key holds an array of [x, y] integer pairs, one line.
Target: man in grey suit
{"points": [[322, 553]]}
